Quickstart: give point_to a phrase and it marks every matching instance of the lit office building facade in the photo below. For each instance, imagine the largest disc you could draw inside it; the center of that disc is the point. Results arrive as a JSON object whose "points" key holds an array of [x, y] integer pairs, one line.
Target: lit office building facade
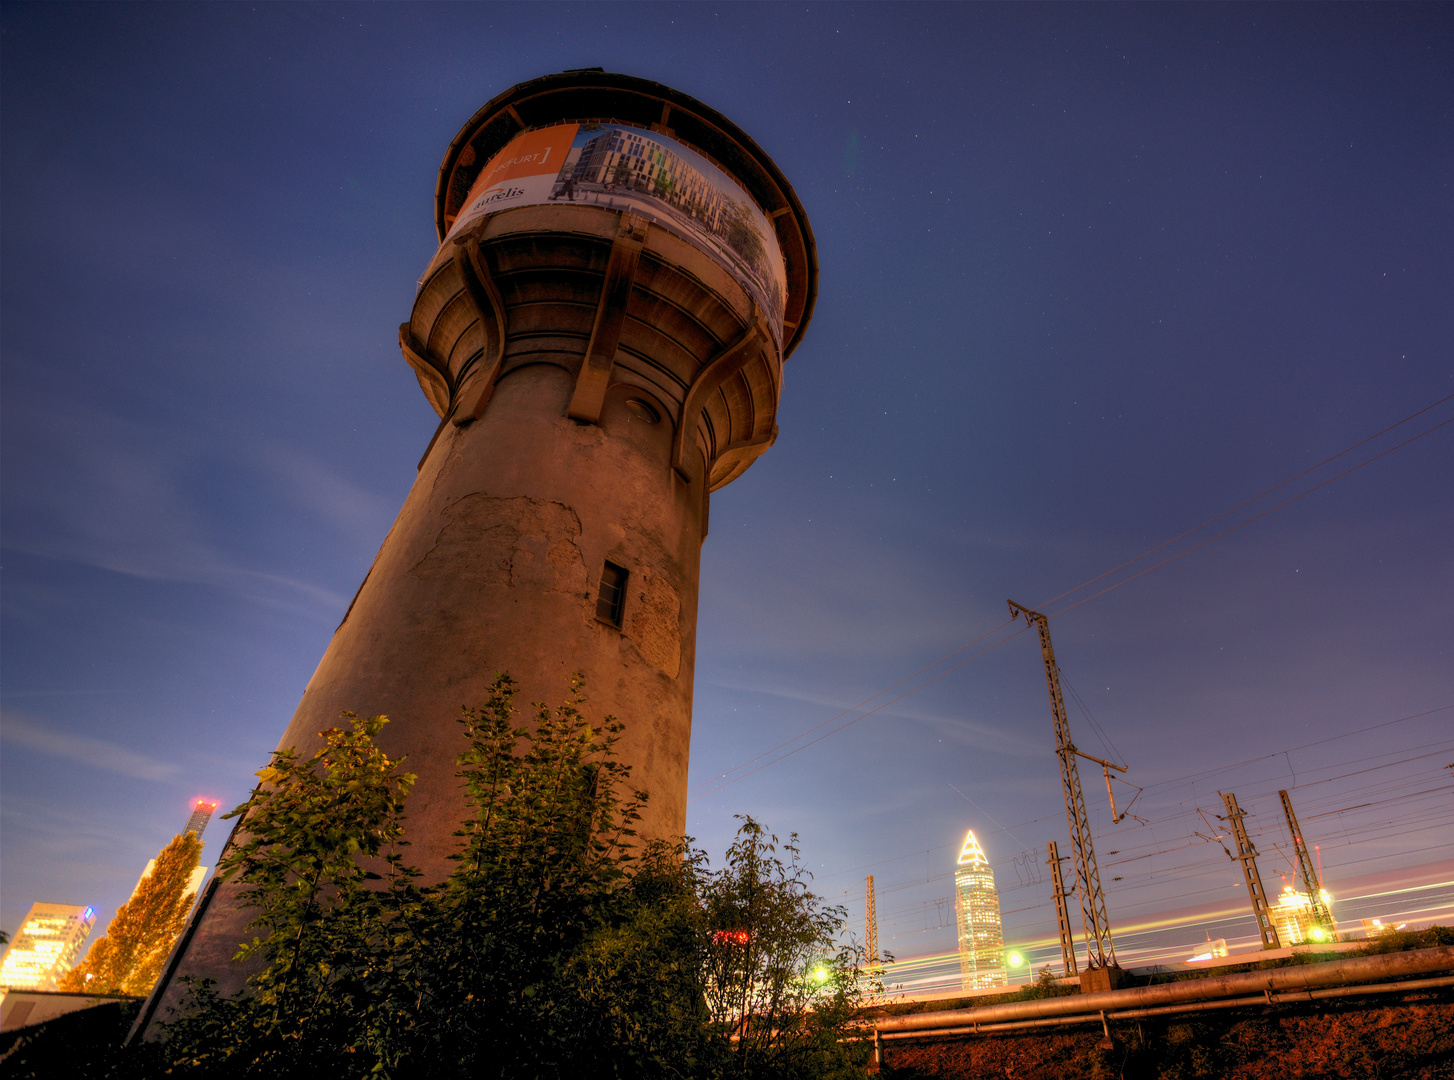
{"points": [[1295, 920], [977, 907], [46, 946]]}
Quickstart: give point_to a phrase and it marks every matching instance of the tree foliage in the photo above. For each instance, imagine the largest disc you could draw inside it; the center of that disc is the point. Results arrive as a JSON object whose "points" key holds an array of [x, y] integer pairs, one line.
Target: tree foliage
{"points": [[559, 946], [128, 958], [318, 836], [779, 982]]}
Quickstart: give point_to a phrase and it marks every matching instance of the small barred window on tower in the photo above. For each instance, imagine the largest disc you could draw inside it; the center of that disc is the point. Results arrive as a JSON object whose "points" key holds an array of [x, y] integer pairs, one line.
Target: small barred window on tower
{"points": [[612, 597]]}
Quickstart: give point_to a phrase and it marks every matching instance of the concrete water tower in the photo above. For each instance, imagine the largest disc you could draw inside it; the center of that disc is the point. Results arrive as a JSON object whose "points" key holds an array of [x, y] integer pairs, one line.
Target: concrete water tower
{"points": [[621, 273]]}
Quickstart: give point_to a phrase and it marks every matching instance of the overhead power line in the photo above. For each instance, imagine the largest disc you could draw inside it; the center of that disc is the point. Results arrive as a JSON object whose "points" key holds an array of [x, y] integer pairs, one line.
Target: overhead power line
{"points": [[856, 719]]}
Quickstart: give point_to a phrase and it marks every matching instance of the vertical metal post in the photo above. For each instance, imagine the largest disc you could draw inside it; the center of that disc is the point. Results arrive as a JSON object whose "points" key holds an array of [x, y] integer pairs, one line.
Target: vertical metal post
{"points": [[1321, 915], [1247, 856], [1100, 951], [1062, 913], [871, 933]]}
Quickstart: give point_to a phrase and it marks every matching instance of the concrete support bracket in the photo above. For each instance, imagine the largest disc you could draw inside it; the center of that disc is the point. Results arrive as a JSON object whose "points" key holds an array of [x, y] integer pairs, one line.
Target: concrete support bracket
{"points": [[747, 450], [725, 364], [431, 379], [477, 384], [595, 374]]}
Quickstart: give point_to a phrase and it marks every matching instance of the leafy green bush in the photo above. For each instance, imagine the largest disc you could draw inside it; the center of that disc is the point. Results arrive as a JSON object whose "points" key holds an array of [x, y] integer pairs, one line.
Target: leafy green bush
{"points": [[1391, 941], [559, 946]]}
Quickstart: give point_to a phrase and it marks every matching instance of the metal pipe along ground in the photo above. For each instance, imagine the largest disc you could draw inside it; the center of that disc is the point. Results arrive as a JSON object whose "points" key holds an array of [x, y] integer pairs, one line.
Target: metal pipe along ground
{"points": [[1335, 978]]}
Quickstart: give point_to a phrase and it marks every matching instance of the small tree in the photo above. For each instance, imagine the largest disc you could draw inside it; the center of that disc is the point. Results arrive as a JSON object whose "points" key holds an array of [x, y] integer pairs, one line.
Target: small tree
{"points": [[779, 983], [129, 957], [315, 834], [503, 969]]}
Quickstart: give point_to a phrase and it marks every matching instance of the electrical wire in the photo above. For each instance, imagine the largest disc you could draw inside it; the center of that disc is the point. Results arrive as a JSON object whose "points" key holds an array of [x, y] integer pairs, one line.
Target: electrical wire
{"points": [[1419, 815], [853, 708]]}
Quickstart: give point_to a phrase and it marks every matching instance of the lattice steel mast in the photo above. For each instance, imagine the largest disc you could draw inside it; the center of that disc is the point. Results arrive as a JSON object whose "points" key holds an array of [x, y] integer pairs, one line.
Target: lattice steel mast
{"points": [[1247, 856], [1321, 915], [1062, 913], [871, 933], [1100, 951]]}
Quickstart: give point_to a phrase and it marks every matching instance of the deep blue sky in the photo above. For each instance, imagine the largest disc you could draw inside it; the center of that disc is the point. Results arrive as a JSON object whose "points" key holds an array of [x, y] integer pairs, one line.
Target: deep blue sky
{"points": [[1089, 276]]}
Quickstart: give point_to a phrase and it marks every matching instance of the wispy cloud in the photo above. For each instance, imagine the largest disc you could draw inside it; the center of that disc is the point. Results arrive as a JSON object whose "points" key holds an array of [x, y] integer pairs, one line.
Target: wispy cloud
{"points": [[954, 726], [123, 498], [33, 734]]}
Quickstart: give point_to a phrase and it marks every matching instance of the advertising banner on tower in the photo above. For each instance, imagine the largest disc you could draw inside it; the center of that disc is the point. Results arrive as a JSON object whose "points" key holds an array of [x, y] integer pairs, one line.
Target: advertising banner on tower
{"points": [[626, 168]]}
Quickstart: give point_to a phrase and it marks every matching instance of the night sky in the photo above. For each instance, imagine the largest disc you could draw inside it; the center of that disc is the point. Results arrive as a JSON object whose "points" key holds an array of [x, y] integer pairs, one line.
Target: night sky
{"points": [[1090, 276]]}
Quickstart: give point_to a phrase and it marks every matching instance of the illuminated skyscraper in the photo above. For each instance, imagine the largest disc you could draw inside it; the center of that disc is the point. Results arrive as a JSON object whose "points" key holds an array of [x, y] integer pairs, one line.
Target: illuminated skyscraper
{"points": [[977, 905], [202, 811], [46, 946]]}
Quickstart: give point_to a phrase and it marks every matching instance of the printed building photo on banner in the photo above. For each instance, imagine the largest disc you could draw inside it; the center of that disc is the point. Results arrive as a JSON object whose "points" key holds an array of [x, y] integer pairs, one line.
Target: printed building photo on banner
{"points": [[625, 168]]}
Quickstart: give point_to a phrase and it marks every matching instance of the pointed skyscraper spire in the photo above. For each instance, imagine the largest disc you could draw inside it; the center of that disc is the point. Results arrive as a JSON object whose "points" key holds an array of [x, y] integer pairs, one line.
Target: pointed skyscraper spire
{"points": [[972, 854], [977, 909]]}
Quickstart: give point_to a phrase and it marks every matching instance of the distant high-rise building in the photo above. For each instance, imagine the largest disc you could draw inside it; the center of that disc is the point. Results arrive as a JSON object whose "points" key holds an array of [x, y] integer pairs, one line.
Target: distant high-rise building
{"points": [[1296, 921], [977, 905], [202, 811], [46, 946]]}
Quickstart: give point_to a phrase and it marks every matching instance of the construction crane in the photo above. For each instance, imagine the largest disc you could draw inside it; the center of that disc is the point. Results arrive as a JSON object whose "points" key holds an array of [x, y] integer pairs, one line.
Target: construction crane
{"points": [[1247, 856], [871, 933], [1322, 917], [1100, 950]]}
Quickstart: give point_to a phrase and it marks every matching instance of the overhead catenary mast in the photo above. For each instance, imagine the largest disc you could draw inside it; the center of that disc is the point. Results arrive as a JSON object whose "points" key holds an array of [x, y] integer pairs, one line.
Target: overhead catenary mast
{"points": [[1321, 915], [871, 934], [1247, 856], [1102, 972], [1062, 913]]}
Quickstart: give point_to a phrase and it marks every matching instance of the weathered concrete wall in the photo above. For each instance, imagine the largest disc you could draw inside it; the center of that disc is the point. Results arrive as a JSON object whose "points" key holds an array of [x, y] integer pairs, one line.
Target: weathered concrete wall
{"points": [[493, 565]]}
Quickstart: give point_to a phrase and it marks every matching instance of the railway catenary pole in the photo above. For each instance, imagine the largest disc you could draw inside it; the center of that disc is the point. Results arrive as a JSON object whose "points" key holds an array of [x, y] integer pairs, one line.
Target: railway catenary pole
{"points": [[1102, 971], [1247, 856], [1062, 912], [871, 935], [1321, 915]]}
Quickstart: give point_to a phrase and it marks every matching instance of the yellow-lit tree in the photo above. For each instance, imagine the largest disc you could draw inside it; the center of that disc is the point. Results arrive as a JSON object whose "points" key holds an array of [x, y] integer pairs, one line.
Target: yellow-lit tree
{"points": [[128, 959]]}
